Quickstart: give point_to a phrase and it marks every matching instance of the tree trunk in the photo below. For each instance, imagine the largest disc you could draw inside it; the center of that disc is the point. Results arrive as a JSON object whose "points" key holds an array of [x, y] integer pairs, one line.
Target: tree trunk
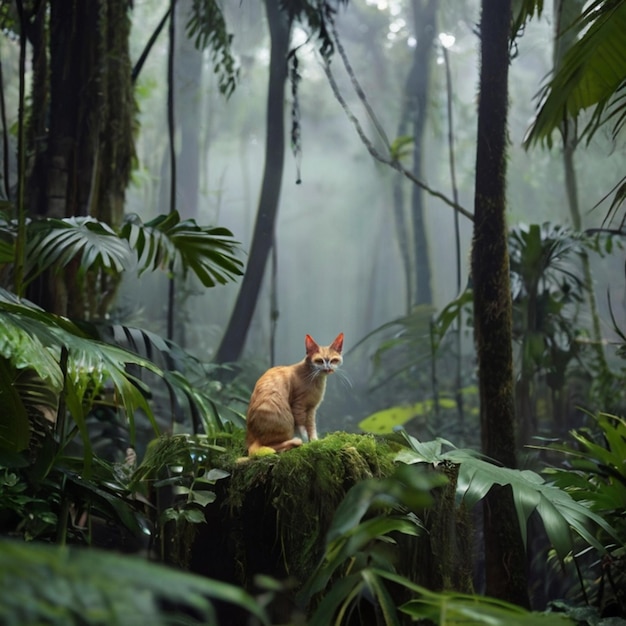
{"points": [[504, 554], [188, 87], [425, 28], [86, 164], [235, 336], [564, 36]]}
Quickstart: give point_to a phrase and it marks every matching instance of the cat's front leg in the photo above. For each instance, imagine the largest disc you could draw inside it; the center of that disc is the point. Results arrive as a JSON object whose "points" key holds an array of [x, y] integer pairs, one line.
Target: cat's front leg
{"points": [[301, 430], [311, 428]]}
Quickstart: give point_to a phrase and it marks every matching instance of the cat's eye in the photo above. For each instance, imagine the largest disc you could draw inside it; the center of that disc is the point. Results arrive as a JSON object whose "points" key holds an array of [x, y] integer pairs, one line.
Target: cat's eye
{"points": [[318, 361], [335, 361]]}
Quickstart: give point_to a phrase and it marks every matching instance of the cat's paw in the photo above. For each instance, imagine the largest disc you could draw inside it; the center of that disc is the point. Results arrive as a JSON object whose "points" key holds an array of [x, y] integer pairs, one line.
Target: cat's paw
{"points": [[263, 451]]}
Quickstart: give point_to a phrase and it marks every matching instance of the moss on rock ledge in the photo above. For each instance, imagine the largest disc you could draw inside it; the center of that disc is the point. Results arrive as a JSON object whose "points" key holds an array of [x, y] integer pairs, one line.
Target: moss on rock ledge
{"points": [[272, 513], [303, 488]]}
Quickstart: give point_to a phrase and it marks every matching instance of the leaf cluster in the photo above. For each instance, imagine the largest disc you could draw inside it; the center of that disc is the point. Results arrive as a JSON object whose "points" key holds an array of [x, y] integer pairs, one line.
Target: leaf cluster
{"points": [[166, 243], [358, 561], [318, 15], [43, 584], [207, 27]]}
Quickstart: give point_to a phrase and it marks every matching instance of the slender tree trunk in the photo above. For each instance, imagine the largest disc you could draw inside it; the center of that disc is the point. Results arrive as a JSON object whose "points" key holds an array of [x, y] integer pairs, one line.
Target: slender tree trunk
{"points": [[235, 336], [188, 87], [425, 27], [564, 36], [458, 394], [504, 554], [185, 100]]}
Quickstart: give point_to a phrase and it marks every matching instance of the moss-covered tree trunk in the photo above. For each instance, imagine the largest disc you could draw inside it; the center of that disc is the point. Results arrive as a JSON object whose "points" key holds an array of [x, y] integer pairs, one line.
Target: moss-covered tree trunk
{"points": [[83, 154], [504, 553]]}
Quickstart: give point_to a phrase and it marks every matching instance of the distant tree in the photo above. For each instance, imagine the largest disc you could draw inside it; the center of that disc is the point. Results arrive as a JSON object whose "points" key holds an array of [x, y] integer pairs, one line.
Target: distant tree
{"points": [[234, 337], [417, 97], [280, 16], [505, 568]]}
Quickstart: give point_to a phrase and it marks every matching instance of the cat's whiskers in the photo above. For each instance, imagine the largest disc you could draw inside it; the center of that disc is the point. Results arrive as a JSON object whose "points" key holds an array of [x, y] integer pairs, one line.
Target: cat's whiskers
{"points": [[345, 379]]}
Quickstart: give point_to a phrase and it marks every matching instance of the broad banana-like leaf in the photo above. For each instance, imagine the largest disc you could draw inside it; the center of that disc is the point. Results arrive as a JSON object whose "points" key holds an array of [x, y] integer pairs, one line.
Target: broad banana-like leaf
{"points": [[562, 516]]}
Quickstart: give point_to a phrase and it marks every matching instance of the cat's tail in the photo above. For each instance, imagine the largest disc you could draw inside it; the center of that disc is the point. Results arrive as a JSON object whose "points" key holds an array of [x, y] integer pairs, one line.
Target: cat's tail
{"points": [[257, 449]]}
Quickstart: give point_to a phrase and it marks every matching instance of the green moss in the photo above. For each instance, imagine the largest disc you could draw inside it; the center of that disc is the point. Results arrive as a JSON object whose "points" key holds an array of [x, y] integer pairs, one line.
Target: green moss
{"points": [[304, 486], [272, 513]]}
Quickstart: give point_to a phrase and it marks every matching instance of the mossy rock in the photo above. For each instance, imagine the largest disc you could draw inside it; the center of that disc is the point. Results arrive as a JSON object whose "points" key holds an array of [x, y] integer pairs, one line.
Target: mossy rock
{"points": [[303, 487], [272, 514]]}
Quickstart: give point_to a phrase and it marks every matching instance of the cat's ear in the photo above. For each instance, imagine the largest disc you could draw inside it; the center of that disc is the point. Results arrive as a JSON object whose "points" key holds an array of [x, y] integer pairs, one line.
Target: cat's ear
{"points": [[310, 345], [338, 343]]}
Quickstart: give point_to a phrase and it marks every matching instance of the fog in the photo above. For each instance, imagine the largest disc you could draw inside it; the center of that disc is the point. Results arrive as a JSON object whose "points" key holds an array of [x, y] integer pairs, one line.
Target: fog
{"points": [[338, 261]]}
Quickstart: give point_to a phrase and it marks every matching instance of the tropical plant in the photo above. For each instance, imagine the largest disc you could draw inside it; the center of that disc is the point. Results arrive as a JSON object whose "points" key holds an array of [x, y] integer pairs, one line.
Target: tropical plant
{"points": [[594, 472], [178, 470], [590, 78], [418, 349], [65, 586], [547, 288], [562, 516], [88, 247], [362, 543]]}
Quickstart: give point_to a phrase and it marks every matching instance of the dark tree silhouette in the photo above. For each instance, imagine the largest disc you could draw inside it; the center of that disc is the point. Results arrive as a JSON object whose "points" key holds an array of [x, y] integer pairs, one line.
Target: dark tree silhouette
{"points": [[263, 236], [80, 134], [505, 568]]}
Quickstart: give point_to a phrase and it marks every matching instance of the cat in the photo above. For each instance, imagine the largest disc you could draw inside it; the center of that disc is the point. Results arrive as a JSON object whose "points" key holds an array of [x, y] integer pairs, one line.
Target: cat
{"points": [[286, 398]]}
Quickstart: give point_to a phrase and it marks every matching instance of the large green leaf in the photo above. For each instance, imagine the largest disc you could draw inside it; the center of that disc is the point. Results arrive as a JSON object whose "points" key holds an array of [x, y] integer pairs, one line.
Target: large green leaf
{"points": [[93, 244], [450, 608], [43, 335], [596, 465], [404, 493], [62, 586], [168, 243], [559, 512], [591, 74]]}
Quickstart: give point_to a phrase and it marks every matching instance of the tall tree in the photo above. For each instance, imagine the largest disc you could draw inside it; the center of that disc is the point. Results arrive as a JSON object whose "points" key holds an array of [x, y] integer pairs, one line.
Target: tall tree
{"points": [[504, 553], [425, 28], [567, 15], [413, 121], [234, 338], [81, 128]]}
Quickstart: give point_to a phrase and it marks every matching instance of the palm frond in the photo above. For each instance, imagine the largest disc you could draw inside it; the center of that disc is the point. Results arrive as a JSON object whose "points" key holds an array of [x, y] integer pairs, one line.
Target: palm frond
{"points": [[523, 12], [41, 336], [593, 71], [168, 243], [57, 242], [207, 27], [187, 379]]}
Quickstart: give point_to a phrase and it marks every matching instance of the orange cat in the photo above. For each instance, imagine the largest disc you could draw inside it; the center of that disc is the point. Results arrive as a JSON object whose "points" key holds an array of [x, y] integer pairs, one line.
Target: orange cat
{"points": [[286, 397]]}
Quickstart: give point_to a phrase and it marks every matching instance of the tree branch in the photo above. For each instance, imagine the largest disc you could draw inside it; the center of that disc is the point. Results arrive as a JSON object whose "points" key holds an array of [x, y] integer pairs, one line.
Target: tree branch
{"points": [[146, 51], [387, 160]]}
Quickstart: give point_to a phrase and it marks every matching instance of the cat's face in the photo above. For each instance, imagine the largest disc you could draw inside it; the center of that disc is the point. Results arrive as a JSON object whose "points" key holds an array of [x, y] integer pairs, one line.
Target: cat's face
{"points": [[324, 359]]}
